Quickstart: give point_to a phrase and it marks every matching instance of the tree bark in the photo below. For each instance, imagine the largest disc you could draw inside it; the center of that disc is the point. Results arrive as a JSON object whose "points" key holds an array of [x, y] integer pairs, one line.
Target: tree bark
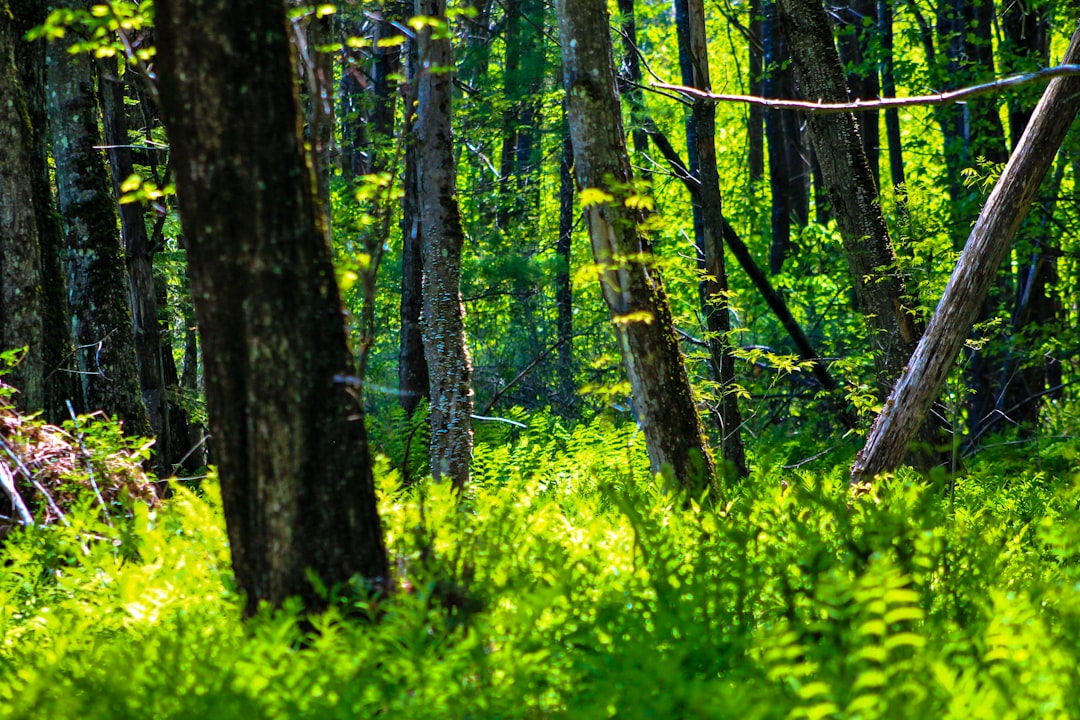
{"points": [[755, 128], [61, 379], [99, 285], [879, 285], [139, 253], [632, 287], [858, 23], [289, 438], [564, 291], [986, 248], [630, 74], [443, 321], [708, 227], [892, 115], [21, 281]]}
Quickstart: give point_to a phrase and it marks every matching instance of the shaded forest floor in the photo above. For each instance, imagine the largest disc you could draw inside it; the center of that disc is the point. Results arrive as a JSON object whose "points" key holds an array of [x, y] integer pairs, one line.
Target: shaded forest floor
{"points": [[569, 584]]}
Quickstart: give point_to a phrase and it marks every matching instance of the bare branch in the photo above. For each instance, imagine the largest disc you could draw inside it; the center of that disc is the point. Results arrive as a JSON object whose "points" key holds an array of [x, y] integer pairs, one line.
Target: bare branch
{"points": [[943, 98]]}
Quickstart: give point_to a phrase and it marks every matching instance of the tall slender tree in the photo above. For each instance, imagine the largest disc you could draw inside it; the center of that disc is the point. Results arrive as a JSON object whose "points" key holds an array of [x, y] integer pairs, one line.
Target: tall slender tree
{"points": [[289, 438], [443, 321], [709, 225], [631, 284]]}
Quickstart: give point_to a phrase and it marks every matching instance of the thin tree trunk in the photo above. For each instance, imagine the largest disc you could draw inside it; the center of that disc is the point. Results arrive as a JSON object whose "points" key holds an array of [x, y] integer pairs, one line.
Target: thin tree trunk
{"points": [[755, 129], [61, 379], [139, 252], [858, 23], [631, 286], [708, 227], [921, 382], [564, 310], [879, 285], [413, 374], [289, 437], [892, 115], [99, 285], [631, 74], [443, 320], [21, 282]]}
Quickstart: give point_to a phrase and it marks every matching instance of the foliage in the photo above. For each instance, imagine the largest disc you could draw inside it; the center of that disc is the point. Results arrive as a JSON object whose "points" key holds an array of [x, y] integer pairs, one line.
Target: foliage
{"points": [[570, 584]]}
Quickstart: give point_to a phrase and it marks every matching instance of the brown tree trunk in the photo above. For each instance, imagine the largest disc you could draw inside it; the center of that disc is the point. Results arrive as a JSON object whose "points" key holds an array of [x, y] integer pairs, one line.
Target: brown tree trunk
{"points": [[99, 285], [988, 245], [21, 301], [61, 379], [879, 285], [289, 438], [631, 77], [443, 321], [892, 115], [708, 227], [755, 129], [631, 286]]}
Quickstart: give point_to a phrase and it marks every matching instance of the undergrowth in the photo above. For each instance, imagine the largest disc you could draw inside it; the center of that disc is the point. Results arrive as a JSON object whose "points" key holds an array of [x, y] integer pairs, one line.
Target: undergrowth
{"points": [[569, 584]]}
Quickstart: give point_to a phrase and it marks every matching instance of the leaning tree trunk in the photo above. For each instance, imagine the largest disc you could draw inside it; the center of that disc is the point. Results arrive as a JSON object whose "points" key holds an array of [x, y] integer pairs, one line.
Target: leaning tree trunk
{"points": [[21, 302], [442, 237], [986, 248], [99, 286], [631, 285], [879, 285], [709, 226], [289, 437]]}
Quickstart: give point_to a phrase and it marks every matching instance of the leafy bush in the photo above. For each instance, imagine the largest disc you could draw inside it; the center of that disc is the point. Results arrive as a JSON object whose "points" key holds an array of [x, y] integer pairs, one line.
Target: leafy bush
{"points": [[568, 583]]}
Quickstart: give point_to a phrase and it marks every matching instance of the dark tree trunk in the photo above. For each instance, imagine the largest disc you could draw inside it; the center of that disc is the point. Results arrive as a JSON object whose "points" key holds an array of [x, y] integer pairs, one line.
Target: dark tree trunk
{"points": [[564, 309], [61, 379], [139, 251], [888, 89], [443, 320], [21, 281], [631, 285], [879, 286], [975, 273], [413, 377], [708, 227], [289, 438], [99, 285], [630, 74], [858, 23], [755, 129], [789, 168], [1034, 317]]}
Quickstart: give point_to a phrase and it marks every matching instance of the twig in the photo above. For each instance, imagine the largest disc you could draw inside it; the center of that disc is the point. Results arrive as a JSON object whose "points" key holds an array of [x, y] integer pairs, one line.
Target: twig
{"points": [[947, 97], [6, 479], [89, 467]]}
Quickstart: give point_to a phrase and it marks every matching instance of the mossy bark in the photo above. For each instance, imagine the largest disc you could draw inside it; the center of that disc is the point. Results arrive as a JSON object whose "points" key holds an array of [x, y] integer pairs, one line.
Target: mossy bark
{"points": [[98, 282], [288, 435], [631, 284], [21, 301], [61, 378]]}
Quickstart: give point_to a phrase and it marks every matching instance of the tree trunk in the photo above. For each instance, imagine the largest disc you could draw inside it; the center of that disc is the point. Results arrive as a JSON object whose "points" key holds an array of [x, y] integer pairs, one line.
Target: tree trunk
{"points": [[139, 252], [21, 282], [289, 438], [892, 115], [755, 129], [986, 248], [413, 374], [443, 321], [564, 292], [630, 74], [99, 285], [61, 379], [858, 23], [708, 226], [630, 284], [879, 286], [789, 169]]}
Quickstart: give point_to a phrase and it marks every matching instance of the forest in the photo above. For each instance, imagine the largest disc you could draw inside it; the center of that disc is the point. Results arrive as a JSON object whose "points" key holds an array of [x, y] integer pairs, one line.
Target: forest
{"points": [[539, 359]]}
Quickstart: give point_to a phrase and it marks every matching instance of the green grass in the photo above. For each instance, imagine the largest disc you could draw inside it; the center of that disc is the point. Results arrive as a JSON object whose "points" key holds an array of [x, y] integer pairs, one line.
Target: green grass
{"points": [[568, 584]]}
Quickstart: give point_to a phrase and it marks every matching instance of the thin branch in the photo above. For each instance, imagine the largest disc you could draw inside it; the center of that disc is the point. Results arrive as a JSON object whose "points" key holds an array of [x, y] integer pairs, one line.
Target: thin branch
{"points": [[943, 98]]}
